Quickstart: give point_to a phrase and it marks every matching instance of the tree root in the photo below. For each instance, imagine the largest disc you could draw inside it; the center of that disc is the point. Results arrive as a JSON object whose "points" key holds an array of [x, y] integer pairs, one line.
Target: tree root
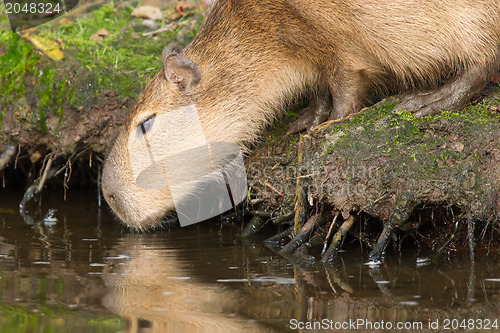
{"points": [[329, 254], [283, 218], [382, 242], [278, 238], [327, 238], [7, 155], [471, 226], [37, 185], [301, 236], [300, 200], [260, 218], [255, 224], [398, 219]]}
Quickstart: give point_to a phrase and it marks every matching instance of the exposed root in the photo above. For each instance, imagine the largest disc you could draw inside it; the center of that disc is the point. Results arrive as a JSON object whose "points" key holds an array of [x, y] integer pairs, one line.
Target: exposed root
{"points": [[255, 224], [338, 238], [300, 200], [99, 181], [37, 185], [7, 155], [382, 242], [283, 218], [262, 214], [397, 220], [301, 236], [450, 239], [254, 202], [327, 238], [471, 226], [278, 238], [46, 170]]}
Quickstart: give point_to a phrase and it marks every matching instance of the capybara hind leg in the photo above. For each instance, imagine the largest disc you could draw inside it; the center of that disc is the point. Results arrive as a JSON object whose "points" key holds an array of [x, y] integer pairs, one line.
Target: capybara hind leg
{"points": [[452, 96], [348, 89], [317, 112]]}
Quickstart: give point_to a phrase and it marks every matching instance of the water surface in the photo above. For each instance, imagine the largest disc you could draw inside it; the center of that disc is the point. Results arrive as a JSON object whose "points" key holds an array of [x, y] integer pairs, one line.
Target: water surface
{"points": [[87, 273]]}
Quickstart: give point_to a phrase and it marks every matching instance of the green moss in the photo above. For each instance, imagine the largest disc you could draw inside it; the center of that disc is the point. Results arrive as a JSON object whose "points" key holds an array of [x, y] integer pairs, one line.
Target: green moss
{"points": [[14, 318], [472, 114], [421, 147], [121, 62], [124, 60], [16, 63]]}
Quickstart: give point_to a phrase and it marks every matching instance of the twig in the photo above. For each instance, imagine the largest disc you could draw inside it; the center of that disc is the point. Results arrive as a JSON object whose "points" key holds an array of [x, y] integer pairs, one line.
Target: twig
{"points": [[273, 188], [73, 156], [168, 27], [452, 237], [48, 166], [329, 232]]}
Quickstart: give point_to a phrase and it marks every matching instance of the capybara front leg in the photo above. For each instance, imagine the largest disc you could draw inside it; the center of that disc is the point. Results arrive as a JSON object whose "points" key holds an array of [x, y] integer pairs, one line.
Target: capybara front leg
{"points": [[317, 112]]}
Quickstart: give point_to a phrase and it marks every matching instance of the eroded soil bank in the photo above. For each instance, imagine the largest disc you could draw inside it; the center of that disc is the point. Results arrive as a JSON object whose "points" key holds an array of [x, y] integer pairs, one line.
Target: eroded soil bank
{"points": [[435, 179]]}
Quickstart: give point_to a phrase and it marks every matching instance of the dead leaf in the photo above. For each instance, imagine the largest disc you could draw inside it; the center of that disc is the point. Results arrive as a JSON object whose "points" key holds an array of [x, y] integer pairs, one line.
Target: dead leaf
{"points": [[459, 146], [175, 16], [47, 46], [35, 157], [205, 4], [450, 162], [496, 79], [96, 37], [102, 32], [64, 21], [148, 12], [496, 155], [182, 8]]}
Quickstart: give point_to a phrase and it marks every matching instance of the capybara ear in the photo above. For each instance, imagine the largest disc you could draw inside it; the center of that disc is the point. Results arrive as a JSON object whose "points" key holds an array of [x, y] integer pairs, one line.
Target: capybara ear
{"points": [[179, 71], [171, 48]]}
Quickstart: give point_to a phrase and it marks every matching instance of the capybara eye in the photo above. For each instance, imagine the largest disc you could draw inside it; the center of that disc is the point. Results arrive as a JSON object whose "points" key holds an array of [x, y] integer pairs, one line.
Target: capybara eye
{"points": [[146, 125]]}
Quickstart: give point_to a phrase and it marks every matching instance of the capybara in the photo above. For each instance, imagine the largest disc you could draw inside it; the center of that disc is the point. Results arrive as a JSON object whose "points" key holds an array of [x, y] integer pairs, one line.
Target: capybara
{"points": [[250, 59]]}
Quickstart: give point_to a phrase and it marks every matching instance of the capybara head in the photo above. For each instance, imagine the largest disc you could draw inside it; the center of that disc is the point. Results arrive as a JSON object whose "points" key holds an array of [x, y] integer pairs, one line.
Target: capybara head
{"points": [[143, 205]]}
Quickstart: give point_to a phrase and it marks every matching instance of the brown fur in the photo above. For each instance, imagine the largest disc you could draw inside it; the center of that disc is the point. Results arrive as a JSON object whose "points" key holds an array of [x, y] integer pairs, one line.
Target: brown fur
{"points": [[252, 58]]}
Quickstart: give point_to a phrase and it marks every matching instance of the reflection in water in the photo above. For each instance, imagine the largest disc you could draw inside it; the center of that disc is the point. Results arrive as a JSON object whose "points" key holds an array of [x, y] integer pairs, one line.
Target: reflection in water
{"points": [[154, 289], [87, 273]]}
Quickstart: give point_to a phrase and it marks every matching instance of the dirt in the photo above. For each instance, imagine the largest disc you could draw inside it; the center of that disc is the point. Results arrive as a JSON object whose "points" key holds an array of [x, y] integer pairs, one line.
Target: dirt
{"points": [[419, 176]]}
